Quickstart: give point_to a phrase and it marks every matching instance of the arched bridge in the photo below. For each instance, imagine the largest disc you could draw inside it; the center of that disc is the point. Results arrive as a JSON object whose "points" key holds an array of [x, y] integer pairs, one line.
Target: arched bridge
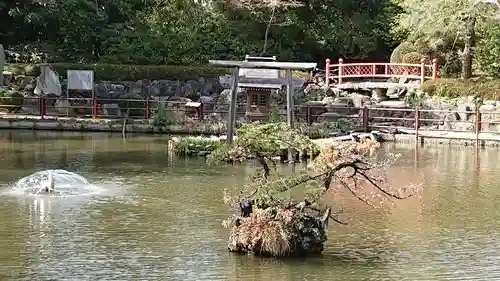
{"points": [[367, 76]]}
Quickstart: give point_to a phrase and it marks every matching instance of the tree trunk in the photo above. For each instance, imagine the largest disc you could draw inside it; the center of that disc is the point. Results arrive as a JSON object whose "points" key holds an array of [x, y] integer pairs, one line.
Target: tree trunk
{"points": [[268, 28], [467, 52]]}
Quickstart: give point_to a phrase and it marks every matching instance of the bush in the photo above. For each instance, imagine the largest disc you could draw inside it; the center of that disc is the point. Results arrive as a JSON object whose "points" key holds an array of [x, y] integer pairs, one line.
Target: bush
{"points": [[23, 69], [401, 50], [453, 88], [117, 72], [11, 100], [413, 57], [415, 97], [160, 117], [198, 145], [133, 104]]}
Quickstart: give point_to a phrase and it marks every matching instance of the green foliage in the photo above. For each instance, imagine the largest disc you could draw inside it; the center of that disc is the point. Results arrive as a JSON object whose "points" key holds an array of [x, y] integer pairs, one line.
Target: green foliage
{"points": [[133, 105], [159, 115], [116, 72], [400, 51], [195, 145], [488, 50], [443, 28], [152, 32], [453, 88], [267, 140], [275, 115], [415, 98], [11, 100], [413, 57]]}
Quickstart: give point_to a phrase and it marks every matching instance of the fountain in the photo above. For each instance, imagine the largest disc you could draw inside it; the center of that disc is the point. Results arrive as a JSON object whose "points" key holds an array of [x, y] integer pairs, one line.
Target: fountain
{"points": [[52, 182]]}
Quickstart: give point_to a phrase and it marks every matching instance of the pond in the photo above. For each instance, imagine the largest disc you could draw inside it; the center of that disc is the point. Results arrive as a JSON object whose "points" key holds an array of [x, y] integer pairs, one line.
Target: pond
{"points": [[158, 217]]}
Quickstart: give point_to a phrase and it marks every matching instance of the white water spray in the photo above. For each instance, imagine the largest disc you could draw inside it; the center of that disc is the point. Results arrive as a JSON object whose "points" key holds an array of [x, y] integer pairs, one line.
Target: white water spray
{"points": [[53, 182]]}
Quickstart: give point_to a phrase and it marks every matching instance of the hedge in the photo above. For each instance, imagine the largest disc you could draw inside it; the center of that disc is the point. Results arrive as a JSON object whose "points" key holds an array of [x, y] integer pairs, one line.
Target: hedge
{"points": [[121, 72], [453, 88]]}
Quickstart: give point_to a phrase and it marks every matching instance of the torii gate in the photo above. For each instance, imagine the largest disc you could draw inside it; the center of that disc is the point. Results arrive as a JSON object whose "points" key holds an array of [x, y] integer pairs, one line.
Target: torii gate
{"points": [[237, 65]]}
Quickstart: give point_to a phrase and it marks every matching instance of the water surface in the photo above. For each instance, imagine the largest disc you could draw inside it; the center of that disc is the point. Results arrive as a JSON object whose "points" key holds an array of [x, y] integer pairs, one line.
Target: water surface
{"points": [[159, 217]]}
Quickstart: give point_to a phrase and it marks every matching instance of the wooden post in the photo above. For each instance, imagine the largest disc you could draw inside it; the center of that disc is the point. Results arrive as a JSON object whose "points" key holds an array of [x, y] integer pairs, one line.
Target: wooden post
{"points": [[365, 115], [231, 118], [42, 106], [417, 123], [478, 125], [148, 108], [327, 73], [341, 71], [289, 109], [94, 108], [422, 71], [309, 119], [435, 69]]}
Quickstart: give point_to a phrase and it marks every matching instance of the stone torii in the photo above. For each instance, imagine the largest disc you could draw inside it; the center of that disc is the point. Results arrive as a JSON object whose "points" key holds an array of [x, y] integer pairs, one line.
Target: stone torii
{"points": [[237, 65]]}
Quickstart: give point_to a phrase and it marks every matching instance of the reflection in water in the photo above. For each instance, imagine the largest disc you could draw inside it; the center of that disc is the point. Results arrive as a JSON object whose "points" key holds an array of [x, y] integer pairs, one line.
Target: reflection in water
{"points": [[162, 218]]}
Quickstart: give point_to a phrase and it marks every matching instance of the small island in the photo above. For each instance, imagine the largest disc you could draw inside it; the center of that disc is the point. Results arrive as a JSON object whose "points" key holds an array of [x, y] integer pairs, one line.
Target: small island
{"points": [[268, 223]]}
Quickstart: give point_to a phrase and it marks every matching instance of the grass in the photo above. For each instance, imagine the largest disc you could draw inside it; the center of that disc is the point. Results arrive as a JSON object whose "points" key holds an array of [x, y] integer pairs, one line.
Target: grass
{"points": [[269, 232]]}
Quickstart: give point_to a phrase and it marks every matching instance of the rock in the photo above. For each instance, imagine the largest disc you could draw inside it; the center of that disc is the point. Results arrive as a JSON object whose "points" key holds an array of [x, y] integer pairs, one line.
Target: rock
{"points": [[379, 95], [449, 121], [62, 106], [111, 110], [462, 108], [393, 104], [360, 100], [181, 100], [344, 100], [315, 92], [329, 117]]}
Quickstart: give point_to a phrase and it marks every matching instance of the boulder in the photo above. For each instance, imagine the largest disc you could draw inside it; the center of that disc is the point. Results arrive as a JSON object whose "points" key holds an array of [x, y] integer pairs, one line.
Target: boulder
{"points": [[464, 111], [62, 106]]}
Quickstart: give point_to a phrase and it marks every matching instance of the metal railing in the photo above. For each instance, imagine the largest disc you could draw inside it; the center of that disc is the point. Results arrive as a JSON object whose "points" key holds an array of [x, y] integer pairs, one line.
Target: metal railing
{"points": [[359, 118]]}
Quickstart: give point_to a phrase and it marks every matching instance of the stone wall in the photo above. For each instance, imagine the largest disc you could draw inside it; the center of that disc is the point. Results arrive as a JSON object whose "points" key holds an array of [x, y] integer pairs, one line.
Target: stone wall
{"points": [[214, 93]]}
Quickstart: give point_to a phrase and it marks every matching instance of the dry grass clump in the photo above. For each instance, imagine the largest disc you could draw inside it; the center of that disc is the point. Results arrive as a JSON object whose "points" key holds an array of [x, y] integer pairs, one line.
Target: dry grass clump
{"points": [[270, 231]]}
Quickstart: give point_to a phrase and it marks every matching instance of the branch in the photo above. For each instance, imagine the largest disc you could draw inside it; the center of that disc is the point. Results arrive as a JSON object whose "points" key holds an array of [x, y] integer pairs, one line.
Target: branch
{"points": [[330, 216]]}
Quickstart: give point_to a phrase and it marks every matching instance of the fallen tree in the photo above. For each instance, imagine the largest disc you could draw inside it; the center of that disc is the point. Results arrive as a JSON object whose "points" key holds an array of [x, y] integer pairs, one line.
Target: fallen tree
{"points": [[266, 222]]}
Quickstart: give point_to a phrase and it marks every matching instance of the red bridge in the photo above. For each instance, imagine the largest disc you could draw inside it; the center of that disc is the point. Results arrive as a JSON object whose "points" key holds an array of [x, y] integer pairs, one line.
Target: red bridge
{"points": [[369, 75]]}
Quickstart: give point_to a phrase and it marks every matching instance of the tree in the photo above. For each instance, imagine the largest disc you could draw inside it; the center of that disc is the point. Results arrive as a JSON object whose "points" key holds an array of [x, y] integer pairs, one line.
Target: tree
{"points": [[443, 25], [267, 222]]}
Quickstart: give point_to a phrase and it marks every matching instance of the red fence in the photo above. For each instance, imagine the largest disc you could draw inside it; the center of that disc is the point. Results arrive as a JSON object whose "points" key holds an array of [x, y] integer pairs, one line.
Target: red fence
{"points": [[420, 72]]}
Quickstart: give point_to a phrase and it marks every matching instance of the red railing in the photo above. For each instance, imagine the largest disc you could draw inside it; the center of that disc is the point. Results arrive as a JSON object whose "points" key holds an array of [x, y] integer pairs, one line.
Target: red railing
{"points": [[418, 72]]}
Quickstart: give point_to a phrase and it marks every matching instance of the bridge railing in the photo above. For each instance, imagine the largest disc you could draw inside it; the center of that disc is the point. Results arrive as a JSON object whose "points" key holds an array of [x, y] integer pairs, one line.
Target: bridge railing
{"points": [[338, 72]]}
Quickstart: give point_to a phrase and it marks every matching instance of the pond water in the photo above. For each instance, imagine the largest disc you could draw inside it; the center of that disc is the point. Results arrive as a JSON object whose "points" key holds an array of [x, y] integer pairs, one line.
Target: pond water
{"points": [[158, 217]]}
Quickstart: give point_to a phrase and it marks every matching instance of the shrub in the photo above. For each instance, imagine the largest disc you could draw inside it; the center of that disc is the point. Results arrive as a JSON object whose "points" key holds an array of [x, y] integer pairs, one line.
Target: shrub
{"points": [[415, 97], [11, 100], [133, 104], [412, 57], [117, 72], [453, 88], [191, 145], [401, 50], [23, 69], [160, 117]]}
